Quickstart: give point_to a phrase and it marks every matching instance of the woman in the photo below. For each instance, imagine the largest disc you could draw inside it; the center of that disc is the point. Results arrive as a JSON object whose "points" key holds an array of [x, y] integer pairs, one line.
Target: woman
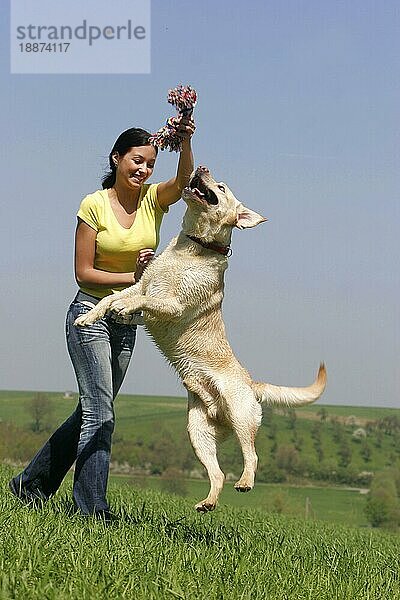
{"points": [[116, 236]]}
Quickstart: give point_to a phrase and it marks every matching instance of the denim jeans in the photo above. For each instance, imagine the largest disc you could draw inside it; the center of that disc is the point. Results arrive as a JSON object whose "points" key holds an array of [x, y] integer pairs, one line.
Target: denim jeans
{"points": [[100, 354]]}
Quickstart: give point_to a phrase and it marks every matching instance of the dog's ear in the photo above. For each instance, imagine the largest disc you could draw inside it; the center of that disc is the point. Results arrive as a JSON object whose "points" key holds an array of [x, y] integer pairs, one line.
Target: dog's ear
{"points": [[248, 218]]}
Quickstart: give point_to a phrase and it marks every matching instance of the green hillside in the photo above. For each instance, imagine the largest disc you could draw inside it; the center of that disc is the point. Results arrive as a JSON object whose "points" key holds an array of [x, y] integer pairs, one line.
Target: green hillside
{"points": [[325, 443], [304, 455]]}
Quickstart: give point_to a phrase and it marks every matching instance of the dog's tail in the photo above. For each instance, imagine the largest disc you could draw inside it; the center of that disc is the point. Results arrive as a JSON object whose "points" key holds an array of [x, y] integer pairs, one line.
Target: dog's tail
{"points": [[291, 396]]}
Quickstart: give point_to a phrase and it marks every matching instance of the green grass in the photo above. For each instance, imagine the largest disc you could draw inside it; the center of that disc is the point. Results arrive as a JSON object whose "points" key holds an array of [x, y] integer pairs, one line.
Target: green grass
{"points": [[160, 549], [359, 412], [143, 421], [338, 505]]}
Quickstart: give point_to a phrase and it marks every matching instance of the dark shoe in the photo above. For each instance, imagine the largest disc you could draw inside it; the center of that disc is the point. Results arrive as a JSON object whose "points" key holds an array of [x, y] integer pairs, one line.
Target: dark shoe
{"points": [[106, 517], [100, 516], [34, 496]]}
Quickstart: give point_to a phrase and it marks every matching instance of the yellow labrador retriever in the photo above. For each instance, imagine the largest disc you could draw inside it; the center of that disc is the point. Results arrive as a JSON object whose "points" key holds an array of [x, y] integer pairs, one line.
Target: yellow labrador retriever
{"points": [[180, 294]]}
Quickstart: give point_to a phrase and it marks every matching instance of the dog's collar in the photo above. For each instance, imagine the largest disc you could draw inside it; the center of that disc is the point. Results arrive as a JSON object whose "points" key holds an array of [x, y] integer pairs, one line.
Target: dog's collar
{"points": [[224, 250]]}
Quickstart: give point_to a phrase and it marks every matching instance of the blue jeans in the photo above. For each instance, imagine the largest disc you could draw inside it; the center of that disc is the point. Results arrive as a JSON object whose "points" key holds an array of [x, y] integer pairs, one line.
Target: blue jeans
{"points": [[100, 354]]}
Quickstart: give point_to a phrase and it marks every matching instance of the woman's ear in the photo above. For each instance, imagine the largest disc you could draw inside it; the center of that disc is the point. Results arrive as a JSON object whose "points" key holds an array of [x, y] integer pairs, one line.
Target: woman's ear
{"points": [[248, 218]]}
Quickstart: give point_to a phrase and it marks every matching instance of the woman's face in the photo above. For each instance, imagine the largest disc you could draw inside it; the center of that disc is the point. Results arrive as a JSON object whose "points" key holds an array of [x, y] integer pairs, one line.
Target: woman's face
{"points": [[136, 166]]}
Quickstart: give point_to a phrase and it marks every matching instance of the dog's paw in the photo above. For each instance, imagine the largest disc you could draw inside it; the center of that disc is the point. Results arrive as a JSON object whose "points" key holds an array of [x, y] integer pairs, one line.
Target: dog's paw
{"points": [[86, 319], [205, 506], [243, 486], [122, 307]]}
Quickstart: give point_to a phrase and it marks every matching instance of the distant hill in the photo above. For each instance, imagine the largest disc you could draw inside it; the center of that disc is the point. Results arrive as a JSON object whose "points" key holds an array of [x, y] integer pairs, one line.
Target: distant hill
{"points": [[335, 444]]}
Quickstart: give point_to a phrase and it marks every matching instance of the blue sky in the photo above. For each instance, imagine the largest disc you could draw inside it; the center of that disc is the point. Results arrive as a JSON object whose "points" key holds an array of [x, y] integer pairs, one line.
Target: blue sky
{"points": [[298, 113]]}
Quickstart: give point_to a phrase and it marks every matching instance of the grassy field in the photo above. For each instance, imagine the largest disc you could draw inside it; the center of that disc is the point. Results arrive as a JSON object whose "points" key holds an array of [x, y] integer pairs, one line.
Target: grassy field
{"points": [[160, 549], [361, 413], [145, 421], [338, 505]]}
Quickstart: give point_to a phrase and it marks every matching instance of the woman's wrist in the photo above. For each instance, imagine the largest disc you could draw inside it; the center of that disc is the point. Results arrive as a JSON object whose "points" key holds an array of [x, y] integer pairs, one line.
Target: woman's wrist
{"points": [[136, 276], [138, 273], [186, 143]]}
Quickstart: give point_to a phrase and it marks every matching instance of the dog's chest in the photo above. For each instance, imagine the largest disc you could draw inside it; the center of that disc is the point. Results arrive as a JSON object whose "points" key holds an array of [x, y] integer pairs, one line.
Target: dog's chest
{"points": [[184, 277]]}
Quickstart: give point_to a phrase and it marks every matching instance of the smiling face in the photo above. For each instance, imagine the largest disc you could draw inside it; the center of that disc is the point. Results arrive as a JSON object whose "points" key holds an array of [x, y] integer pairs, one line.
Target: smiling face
{"points": [[135, 166]]}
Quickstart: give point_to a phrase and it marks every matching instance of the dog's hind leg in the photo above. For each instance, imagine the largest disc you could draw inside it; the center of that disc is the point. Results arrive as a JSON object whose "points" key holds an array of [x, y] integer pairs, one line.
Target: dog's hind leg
{"points": [[245, 417], [203, 434]]}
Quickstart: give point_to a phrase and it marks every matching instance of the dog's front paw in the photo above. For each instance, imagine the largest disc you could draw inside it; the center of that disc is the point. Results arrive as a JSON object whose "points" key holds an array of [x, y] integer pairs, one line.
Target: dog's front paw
{"points": [[118, 307], [123, 307], [86, 319]]}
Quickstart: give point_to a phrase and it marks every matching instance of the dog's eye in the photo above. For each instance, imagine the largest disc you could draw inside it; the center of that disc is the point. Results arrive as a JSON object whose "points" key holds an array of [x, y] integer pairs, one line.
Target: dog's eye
{"points": [[222, 188]]}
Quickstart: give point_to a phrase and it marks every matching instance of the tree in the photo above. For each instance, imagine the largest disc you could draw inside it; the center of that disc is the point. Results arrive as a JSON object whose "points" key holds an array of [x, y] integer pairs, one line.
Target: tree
{"points": [[167, 450], [389, 425], [41, 410], [396, 442], [378, 438], [366, 451], [272, 431], [316, 430], [344, 453], [297, 440], [319, 450], [274, 448], [383, 503], [288, 459], [270, 473], [292, 418], [337, 429]]}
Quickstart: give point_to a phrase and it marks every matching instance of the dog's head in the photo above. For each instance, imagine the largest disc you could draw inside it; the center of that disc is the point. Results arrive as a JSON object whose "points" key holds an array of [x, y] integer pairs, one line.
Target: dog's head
{"points": [[213, 211]]}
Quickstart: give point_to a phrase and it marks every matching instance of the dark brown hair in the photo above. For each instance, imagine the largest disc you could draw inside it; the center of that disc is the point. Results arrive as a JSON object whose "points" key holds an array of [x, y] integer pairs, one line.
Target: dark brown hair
{"points": [[128, 139]]}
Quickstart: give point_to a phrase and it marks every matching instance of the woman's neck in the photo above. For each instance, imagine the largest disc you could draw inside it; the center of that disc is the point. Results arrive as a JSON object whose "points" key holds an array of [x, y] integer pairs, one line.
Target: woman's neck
{"points": [[128, 198]]}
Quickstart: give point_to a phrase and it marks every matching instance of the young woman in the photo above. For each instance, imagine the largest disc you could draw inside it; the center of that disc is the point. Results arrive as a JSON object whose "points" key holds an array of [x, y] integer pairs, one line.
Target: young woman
{"points": [[116, 236]]}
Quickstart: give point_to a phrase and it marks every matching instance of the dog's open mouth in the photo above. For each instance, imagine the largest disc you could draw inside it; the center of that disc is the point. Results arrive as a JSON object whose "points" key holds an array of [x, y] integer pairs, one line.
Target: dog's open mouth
{"points": [[202, 192]]}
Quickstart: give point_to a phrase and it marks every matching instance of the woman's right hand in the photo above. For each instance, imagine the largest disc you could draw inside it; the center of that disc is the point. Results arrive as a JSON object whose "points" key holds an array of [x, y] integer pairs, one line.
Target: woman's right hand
{"points": [[144, 257]]}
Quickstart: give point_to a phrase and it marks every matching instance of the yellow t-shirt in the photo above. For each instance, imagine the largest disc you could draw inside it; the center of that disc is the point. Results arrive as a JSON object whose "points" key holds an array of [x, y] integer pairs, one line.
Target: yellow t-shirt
{"points": [[117, 247]]}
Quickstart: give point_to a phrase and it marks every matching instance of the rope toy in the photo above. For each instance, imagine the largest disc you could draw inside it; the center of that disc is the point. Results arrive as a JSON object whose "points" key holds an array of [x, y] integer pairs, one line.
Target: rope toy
{"points": [[184, 99]]}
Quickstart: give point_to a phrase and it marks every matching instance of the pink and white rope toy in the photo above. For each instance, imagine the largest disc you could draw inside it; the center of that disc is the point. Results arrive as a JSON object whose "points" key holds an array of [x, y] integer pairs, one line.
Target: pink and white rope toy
{"points": [[184, 99]]}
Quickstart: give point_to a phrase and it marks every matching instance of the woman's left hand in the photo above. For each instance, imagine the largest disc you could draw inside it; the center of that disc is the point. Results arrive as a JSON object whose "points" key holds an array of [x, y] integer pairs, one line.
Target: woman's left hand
{"points": [[170, 191], [186, 128]]}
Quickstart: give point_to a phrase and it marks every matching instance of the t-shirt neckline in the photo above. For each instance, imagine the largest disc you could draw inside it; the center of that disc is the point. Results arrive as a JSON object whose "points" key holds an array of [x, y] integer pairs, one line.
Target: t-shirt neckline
{"points": [[115, 216]]}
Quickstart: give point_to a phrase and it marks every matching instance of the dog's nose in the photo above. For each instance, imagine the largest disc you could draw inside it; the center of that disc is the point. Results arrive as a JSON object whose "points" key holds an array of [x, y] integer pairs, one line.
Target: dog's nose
{"points": [[204, 169]]}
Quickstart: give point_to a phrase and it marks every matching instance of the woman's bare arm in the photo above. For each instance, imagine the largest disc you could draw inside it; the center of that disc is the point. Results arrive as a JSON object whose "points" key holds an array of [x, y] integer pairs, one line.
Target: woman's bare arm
{"points": [[85, 273], [170, 191]]}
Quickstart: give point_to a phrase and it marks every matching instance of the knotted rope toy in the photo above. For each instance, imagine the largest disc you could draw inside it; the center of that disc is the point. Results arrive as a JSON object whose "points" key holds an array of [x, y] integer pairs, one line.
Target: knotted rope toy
{"points": [[184, 98]]}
